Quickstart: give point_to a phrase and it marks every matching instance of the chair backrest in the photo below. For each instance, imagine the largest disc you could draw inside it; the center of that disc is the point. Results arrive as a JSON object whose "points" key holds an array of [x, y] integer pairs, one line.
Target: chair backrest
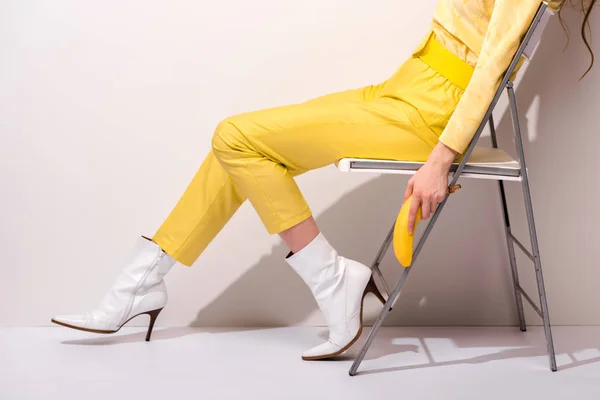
{"points": [[527, 47], [537, 32]]}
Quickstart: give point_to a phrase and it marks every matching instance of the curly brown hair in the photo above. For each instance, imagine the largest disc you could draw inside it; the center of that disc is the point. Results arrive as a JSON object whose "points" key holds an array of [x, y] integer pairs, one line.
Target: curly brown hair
{"points": [[586, 8]]}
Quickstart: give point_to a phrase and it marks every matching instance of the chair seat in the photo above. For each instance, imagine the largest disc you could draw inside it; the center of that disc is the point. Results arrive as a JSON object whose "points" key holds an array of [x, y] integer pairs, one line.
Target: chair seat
{"points": [[484, 163]]}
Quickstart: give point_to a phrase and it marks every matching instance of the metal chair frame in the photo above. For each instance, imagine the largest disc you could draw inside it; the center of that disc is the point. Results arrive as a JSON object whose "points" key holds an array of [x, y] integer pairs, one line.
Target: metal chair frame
{"points": [[525, 49]]}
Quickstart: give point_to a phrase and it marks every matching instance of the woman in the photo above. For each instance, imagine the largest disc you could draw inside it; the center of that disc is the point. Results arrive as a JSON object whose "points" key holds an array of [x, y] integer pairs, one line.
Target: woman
{"points": [[427, 111]]}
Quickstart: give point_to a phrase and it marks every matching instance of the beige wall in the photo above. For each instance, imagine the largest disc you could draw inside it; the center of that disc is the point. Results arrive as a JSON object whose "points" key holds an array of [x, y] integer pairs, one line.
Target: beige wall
{"points": [[107, 111]]}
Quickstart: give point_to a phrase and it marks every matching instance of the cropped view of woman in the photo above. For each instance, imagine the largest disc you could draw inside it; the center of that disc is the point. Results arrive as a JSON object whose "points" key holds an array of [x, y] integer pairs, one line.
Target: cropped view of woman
{"points": [[428, 110]]}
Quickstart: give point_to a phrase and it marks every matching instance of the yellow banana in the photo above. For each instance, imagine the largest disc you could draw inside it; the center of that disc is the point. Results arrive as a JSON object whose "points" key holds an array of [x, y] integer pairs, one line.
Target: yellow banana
{"points": [[403, 241]]}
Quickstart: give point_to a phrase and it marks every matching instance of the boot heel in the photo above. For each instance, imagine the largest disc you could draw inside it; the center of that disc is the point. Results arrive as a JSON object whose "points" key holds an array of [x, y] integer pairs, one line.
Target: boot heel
{"points": [[153, 315], [372, 288]]}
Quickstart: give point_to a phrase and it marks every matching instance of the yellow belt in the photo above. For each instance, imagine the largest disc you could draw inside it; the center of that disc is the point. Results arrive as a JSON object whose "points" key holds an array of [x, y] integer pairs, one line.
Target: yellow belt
{"points": [[446, 63]]}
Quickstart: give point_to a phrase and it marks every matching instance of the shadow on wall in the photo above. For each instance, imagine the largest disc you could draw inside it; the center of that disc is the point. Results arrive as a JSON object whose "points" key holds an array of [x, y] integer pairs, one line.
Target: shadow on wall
{"points": [[270, 293]]}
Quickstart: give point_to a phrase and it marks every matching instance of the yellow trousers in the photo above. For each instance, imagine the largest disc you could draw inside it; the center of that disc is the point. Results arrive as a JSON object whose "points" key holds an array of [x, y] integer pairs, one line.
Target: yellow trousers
{"points": [[256, 155]]}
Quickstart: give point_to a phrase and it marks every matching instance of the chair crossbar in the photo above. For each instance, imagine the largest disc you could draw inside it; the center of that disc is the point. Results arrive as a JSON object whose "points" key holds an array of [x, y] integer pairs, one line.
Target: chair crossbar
{"points": [[522, 247], [530, 301]]}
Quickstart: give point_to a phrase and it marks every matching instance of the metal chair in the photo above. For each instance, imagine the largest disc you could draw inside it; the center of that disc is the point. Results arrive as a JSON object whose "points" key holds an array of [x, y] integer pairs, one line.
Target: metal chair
{"points": [[479, 163]]}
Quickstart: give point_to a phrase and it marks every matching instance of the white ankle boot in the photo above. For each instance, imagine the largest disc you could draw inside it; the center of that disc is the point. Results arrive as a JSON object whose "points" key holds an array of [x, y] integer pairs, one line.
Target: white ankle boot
{"points": [[339, 285], [139, 289]]}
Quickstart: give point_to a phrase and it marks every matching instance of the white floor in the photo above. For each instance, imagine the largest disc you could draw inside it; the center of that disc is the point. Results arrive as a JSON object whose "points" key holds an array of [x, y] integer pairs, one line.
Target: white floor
{"points": [[404, 363]]}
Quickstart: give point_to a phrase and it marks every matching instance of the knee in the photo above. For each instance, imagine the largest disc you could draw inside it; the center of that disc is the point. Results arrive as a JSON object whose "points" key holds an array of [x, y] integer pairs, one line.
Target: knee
{"points": [[226, 137]]}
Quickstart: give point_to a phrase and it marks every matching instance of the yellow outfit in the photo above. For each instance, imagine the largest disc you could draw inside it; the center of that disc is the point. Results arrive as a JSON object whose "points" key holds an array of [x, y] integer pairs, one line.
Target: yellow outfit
{"points": [[439, 94]]}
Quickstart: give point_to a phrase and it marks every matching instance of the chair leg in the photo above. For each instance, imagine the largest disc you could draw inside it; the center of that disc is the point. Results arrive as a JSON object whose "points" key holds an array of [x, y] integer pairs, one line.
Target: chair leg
{"points": [[394, 295], [539, 277], [509, 242], [532, 230], [386, 309]]}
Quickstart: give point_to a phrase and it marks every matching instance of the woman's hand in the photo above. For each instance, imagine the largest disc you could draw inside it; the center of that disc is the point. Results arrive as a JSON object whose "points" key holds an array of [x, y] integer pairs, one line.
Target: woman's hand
{"points": [[429, 185]]}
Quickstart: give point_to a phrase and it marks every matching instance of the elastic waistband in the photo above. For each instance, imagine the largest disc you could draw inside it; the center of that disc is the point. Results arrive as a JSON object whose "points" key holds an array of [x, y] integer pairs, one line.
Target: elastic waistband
{"points": [[445, 63]]}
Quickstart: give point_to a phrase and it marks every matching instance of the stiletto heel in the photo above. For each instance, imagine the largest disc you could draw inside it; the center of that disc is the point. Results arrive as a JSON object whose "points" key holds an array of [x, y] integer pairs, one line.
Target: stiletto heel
{"points": [[372, 288], [153, 315], [139, 289]]}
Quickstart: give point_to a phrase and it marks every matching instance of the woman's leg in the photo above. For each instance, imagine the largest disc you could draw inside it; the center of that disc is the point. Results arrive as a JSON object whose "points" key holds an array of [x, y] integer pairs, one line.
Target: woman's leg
{"points": [[209, 201], [300, 235], [212, 198], [262, 151]]}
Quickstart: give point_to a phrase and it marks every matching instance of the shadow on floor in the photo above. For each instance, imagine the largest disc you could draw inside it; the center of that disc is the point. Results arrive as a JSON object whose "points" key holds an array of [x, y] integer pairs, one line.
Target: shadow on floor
{"points": [[518, 345], [504, 342]]}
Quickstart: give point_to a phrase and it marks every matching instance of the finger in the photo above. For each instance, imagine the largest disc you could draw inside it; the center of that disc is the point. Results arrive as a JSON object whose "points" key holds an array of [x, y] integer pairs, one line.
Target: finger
{"points": [[409, 189], [412, 213], [440, 199], [434, 206], [425, 208]]}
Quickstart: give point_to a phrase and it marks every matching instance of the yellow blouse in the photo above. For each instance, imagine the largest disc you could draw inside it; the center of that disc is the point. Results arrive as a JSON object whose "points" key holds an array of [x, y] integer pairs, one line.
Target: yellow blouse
{"points": [[485, 34]]}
